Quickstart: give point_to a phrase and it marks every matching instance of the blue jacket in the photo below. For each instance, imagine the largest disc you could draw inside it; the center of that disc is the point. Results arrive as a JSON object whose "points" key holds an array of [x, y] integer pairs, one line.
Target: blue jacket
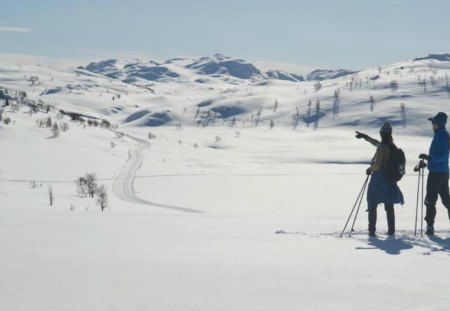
{"points": [[439, 152]]}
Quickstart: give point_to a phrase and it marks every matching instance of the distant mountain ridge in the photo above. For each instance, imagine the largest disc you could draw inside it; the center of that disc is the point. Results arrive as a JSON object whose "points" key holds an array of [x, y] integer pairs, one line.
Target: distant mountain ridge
{"points": [[439, 57], [216, 66]]}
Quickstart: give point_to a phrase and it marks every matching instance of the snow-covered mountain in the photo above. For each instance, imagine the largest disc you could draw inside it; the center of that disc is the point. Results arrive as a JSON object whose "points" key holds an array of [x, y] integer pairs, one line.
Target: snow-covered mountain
{"points": [[223, 65], [220, 89], [217, 66]]}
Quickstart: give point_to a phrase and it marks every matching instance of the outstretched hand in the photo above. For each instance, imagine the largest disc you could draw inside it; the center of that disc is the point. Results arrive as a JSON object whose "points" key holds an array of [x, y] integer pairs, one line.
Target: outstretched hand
{"points": [[361, 135]]}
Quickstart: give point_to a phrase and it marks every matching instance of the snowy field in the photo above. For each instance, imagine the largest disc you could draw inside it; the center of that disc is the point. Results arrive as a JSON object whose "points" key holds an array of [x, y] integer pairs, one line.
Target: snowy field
{"points": [[210, 218]]}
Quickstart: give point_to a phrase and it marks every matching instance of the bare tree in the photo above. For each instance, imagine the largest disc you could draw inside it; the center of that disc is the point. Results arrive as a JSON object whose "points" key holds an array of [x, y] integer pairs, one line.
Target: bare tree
{"points": [[87, 185], [102, 196], [80, 182], [91, 183], [50, 195], [372, 103], [336, 102]]}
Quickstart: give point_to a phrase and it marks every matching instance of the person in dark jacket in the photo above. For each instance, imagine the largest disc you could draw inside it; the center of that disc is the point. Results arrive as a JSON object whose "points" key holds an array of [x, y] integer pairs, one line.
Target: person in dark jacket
{"points": [[437, 182], [381, 190]]}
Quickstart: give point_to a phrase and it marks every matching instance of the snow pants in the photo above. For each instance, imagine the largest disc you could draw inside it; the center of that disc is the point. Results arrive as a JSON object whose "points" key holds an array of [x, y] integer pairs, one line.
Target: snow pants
{"points": [[437, 185], [390, 214]]}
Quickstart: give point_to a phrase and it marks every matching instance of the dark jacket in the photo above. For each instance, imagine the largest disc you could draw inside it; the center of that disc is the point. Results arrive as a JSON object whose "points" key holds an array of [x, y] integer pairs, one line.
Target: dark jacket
{"points": [[439, 151], [380, 190]]}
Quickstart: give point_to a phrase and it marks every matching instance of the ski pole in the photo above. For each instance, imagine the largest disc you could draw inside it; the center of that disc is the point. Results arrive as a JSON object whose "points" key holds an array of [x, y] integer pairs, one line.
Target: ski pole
{"points": [[421, 212], [417, 169], [354, 205], [359, 205], [420, 167]]}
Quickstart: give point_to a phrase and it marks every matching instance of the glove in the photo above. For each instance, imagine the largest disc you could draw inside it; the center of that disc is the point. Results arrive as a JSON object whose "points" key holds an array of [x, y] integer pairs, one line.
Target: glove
{"points": [[368, 171], [422, 164], [423, 156], [361, 135]]}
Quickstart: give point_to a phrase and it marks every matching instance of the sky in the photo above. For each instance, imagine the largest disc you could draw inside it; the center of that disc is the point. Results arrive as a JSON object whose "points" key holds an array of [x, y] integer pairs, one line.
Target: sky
{"points": [[351, 34]]}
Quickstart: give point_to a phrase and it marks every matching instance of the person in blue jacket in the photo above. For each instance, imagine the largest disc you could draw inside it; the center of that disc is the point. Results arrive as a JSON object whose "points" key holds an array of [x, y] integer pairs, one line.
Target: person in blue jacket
{"points": [[437, 182], [380, 189]]}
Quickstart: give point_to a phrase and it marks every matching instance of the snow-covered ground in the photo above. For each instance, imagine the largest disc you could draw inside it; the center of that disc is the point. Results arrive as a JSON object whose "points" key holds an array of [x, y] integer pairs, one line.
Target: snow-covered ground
{"points": [[214, 217]]}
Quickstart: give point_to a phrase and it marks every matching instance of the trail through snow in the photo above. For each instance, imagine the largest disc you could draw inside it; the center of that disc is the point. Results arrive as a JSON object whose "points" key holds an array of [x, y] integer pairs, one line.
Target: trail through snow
{"points": [[123, 185]]}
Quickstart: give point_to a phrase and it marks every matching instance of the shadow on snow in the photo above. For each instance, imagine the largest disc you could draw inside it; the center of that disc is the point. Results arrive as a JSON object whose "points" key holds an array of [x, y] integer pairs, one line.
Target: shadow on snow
{"points": [[395, 245]]}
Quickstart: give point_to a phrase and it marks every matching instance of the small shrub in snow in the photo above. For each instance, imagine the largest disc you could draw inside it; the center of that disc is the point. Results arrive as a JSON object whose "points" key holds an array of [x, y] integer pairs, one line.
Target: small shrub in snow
{"points": [[105, 124], [64, 126], [113, 144], [151, 135], [6, 120], [119, 135], [55, 130]]}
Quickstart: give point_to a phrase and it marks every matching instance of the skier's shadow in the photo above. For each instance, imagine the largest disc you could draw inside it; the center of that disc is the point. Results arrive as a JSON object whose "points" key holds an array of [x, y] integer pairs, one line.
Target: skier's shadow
{"points": [[444, 243], [391, 245]]}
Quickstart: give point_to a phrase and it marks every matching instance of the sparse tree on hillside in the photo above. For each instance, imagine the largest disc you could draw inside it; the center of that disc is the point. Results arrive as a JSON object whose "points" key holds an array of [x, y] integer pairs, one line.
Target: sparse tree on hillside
{"points": [[393, 85], [372, 103], [317, 86], [447, 85], [336, 102]]}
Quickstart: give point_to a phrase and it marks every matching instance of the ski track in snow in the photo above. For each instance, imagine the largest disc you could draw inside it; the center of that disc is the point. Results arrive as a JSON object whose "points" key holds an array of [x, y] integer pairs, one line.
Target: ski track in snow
{"points": [[123, 185]]}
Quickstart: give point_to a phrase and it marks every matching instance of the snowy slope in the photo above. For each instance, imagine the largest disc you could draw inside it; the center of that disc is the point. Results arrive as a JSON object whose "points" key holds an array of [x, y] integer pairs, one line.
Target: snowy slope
{"points": [[195, 210]]}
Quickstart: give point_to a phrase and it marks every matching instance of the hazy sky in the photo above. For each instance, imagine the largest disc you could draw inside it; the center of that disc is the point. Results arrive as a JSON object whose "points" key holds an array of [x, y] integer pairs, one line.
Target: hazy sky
{"points": [[321, 33]]}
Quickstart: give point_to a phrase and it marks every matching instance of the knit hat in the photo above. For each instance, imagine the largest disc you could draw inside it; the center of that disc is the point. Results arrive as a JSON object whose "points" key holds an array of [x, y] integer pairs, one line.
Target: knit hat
{"points": [[386, 128], [440, 119]]}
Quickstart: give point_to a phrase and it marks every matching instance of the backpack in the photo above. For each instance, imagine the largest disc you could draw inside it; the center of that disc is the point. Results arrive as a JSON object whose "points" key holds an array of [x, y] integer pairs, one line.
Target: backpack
{"points": [[395, 168]]}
